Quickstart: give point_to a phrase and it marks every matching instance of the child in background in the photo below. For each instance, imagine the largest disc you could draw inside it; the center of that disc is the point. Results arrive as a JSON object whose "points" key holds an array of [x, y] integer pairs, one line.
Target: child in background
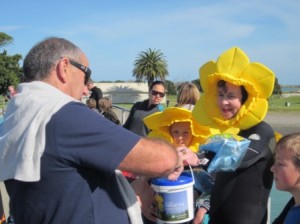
{"points": [[92, 104], [286, 171], [105, 108], [187, 96]]}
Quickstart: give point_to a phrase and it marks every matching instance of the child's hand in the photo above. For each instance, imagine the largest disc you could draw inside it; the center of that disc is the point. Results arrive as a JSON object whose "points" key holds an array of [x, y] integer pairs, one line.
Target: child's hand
{"points": [[199, 217], [188, 156]]}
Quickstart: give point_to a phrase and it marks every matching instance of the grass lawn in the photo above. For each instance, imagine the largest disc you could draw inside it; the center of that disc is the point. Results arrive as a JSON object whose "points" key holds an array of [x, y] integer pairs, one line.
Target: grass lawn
{"points": [[276, 103]]}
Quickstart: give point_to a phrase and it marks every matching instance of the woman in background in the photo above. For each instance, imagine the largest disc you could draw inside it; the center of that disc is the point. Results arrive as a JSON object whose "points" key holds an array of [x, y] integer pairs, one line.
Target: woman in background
{"points": [[142, 109], [187, 96]]}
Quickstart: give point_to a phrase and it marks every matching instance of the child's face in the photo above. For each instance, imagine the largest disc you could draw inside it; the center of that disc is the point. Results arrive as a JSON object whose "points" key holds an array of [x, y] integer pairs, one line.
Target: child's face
{"points": [[181, 133], [286, 174]]}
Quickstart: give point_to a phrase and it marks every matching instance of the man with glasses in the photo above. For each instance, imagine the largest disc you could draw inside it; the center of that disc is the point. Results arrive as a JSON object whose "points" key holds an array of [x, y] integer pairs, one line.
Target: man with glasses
{"points": [[57, 157]]}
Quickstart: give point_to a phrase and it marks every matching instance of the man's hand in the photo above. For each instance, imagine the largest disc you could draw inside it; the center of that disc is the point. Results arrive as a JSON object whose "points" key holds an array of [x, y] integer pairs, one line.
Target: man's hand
{"points": [[178, 170]]}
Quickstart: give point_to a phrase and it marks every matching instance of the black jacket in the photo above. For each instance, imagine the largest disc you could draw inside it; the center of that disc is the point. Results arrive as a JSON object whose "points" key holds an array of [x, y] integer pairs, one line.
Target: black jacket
{"points": [[138, 112], [241, 197]]}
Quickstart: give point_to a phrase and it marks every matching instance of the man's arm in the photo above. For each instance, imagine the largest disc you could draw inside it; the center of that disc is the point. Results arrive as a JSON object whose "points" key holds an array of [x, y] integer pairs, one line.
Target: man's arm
{"points": [[152, 158]]}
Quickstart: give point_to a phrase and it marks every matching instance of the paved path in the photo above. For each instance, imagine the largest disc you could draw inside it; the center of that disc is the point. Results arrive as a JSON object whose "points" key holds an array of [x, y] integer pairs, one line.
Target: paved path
{"points": [[282, 122]]}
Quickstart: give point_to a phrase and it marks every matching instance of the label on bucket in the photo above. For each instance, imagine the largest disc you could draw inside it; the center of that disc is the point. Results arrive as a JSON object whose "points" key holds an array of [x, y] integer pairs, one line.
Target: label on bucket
{"points": [[174, 199]]}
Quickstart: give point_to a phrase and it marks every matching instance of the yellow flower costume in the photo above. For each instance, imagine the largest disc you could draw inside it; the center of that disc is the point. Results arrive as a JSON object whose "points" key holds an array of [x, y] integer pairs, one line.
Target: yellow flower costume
{"points": [[159, 123], [233, 66]]}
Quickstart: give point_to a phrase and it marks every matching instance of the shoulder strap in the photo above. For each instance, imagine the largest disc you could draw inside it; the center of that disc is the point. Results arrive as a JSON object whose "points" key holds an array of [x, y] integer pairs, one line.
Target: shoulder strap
{"points": [[129, 198]]}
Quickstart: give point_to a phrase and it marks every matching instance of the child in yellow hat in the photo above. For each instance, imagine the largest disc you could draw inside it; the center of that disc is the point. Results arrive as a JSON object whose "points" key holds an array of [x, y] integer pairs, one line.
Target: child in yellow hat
{"points": [[178, 126], [174, 121]]}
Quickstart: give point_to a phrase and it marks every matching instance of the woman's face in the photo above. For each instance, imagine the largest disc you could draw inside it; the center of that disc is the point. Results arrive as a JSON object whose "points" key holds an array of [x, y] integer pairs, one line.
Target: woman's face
{"points": [[229, 100], [181, 133], [156, 94]]}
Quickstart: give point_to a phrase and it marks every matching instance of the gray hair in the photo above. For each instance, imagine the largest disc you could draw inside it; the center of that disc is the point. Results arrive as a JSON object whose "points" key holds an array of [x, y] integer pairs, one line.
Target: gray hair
{"points": [[44, 55]]}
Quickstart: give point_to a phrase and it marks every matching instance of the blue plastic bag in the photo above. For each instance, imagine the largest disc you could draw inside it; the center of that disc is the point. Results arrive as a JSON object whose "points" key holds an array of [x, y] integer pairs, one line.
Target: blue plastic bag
{"points": [[229, 151]]}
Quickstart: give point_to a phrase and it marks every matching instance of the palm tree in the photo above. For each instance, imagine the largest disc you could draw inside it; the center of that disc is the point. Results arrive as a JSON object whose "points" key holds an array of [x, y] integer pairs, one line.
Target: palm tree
{"points": [[150, 65]]}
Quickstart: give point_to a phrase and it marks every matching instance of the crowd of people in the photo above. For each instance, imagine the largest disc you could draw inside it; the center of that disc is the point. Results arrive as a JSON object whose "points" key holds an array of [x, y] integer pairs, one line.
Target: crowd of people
{"points": [[66, 162]]}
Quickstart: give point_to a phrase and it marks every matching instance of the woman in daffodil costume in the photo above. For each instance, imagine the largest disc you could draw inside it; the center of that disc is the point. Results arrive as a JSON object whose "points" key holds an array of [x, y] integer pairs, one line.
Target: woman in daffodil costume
{"points": [[177, 126], [235, 101]]}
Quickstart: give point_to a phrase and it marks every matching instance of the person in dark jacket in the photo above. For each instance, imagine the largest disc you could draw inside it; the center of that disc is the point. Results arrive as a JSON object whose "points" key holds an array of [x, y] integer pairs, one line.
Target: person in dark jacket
{"points": [[96, 92], [142, 109]]}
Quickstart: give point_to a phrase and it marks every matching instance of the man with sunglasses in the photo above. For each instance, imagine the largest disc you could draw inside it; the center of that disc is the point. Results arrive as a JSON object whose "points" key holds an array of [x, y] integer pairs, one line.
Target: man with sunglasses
{"points": [[142, 109], [58, 158]]}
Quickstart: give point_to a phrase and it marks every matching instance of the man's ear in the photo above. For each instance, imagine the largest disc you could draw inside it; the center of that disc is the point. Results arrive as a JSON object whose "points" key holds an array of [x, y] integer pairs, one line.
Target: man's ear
{"points": [[62, 70]]}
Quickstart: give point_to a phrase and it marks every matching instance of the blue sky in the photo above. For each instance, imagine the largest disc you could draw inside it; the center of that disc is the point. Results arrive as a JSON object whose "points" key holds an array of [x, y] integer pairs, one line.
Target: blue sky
{"points": [[188, 32]]}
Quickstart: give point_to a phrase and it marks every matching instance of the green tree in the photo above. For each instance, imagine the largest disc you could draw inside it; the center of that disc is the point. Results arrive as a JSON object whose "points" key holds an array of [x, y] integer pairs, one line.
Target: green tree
{"points": [[10, 70], [171, 89], [150, 65], [198, 84], [277, 88], [5, 39]]}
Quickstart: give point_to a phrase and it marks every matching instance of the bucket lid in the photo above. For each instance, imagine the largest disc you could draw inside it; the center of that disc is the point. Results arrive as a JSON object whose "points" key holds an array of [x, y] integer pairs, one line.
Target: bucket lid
{"points": [[184, 178]]}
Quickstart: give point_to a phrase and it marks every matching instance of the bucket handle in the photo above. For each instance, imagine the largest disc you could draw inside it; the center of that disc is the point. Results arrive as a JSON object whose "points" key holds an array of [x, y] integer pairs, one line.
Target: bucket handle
{"points": [[192, 174]]}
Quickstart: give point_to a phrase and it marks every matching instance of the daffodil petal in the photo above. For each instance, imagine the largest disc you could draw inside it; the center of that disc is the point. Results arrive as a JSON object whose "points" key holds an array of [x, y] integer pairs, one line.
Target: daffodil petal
{"points": [[261, 77], [232, 61]]}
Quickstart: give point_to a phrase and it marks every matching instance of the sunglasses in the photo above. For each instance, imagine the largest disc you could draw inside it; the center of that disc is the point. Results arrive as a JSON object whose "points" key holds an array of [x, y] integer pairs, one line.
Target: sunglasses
{"points": [[155, 93], [87, 71]]}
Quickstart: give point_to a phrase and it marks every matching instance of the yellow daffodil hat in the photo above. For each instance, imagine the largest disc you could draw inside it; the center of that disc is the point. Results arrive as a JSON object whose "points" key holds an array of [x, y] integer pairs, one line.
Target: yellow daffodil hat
{"points": [[233, 66], [159, 123]]}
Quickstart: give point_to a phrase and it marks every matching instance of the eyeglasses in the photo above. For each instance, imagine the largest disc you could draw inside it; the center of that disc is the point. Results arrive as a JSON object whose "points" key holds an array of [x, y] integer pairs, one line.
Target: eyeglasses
{"points": [[155, 93], [87, 71]]}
